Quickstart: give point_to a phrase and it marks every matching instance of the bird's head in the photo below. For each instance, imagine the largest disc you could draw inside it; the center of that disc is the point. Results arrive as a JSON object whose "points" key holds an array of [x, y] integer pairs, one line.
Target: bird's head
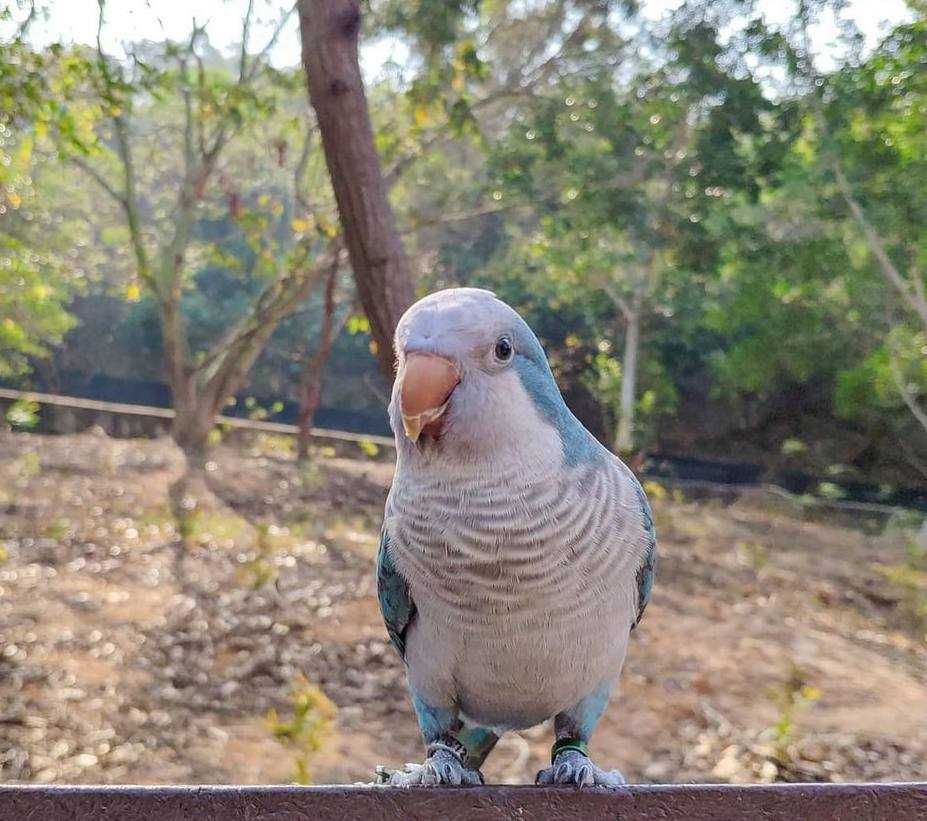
{"points": [[472, 380]]}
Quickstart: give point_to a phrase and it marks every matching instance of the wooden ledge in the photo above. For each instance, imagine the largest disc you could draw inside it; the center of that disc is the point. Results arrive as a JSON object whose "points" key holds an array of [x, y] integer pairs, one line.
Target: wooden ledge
{"points": [[834, 802]]}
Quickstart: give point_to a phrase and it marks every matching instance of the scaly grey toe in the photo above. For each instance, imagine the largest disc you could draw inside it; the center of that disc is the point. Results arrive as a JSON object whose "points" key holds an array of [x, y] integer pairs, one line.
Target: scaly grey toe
{"points": [[441, 767], [572, 767]]}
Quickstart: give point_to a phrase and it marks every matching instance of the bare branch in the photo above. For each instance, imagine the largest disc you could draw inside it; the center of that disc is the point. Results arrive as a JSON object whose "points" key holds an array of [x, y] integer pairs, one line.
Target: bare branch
{"points": [[911, 292], [201, 96], [299, 193], [913, 296], [128, 199], [245, 32], [913, 459], [917, 280], [393, 175], [23, 28], [461, 216], [189, 121], [99, 179], [376, 391], [575, 37], [906, 395], [271, 42], [311, 376], [233, 356], [620, 302]]}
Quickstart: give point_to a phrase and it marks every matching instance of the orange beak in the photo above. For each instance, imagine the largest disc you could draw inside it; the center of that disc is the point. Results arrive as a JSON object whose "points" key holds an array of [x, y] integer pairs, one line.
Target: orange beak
{"points": [[427, 382]]}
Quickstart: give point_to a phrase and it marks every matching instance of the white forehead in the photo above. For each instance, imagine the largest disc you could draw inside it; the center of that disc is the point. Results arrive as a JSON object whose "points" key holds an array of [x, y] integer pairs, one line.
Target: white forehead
{"points": [[457, 311]]}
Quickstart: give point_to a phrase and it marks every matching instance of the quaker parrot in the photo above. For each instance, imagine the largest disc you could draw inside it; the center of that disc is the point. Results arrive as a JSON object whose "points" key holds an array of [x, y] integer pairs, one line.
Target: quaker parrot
{"points": [[517, 553]]}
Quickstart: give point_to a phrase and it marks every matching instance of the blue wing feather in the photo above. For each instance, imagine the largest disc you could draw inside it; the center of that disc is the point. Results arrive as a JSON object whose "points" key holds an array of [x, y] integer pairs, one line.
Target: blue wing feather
{"points": [[648, 568], [396, 604]]}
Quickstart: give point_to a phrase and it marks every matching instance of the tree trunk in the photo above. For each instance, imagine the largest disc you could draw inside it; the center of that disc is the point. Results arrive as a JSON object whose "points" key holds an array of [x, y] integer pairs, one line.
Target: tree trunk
{"points": [[193, 420], [187, 429], [624, 440], [329, 30], [199, 393], [310, 381]]}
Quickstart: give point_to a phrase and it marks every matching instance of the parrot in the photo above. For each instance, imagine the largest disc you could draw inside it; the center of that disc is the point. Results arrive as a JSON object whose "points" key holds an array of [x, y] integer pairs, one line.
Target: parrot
{"points": [[517, 553]]}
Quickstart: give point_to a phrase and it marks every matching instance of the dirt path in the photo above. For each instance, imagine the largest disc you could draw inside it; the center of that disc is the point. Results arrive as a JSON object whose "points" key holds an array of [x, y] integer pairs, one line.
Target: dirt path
{"points": [[773, 649]]}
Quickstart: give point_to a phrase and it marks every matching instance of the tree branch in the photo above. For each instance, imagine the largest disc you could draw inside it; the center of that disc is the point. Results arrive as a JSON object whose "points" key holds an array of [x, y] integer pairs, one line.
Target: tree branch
{"points": [[461, 216], [913, 459], [519, 87], [23, 28], [914, 296], [271, 42], [99, 179], [906, 395], [299, 194], [233, 356], [129, 197], [911, 293], [620, 302], [245, 31]]}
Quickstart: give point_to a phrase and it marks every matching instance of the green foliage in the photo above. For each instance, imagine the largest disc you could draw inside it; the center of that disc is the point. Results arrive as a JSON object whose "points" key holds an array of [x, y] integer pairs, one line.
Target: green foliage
{"points": [[357, 324], [260, 570], [586, 163], [910, 581], [754, 555], [370, 449], [36, 234], [23, 414], [792, 698], [31, 305], [793, 447], [28, 466], [307, 728], [604, 379]]}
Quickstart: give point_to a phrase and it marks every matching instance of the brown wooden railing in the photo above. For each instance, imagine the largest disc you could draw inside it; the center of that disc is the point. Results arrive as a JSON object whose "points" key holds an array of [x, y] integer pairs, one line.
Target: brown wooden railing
{"points": [[79, 403], [773, 802]]}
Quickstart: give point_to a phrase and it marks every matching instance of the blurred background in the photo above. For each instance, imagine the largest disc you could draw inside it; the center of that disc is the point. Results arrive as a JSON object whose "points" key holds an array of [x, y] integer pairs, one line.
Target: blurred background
{"points": [[712, 214]]}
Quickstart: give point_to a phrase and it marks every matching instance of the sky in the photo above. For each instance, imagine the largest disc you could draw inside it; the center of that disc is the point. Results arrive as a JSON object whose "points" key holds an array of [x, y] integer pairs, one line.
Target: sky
{"points": [[76, 21]]}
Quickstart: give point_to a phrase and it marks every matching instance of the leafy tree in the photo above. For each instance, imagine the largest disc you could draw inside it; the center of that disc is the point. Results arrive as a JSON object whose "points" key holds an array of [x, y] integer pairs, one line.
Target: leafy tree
{"points": [[826, 283], [624, 180], [36, 280], [37, 274], [873, 137], [166, 121]]}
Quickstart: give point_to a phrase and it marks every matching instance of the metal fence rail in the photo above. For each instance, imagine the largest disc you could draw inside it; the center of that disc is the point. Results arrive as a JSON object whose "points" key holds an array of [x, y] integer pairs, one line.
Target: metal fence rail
{"points": [[772, 802], [711, 488], [79, 403]]}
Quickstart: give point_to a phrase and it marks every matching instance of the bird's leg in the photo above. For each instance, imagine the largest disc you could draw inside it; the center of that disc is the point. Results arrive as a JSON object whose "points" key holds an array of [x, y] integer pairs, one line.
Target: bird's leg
{"points": [[447, 757], [479, 743], [570, 764], [569, 759], [445, 764]]}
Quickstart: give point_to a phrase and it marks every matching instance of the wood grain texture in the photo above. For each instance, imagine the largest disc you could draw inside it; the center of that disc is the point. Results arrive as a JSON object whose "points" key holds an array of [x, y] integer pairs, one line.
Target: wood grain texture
{"points": [[834, 802]]}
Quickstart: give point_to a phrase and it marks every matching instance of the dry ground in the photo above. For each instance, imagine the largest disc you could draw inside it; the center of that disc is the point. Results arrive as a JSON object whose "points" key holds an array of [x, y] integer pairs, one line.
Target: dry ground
{"points": [[775, 648]]}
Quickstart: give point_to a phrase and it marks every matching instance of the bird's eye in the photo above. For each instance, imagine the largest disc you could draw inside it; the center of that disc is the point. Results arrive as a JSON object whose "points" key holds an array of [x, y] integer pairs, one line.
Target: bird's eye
{"points": [[503, 350]]}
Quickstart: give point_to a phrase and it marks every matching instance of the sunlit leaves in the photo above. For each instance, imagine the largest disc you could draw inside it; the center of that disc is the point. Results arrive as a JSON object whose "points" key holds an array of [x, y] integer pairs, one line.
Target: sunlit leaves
{"points": [[32, 313]]}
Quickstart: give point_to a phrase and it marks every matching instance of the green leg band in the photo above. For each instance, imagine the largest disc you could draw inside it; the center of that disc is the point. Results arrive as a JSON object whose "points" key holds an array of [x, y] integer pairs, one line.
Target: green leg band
{"points": [[568, 744]]}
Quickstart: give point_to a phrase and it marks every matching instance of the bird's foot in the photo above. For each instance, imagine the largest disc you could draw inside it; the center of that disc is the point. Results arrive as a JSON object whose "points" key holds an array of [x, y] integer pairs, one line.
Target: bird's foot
{"points": [[572, 766], [443, 766]]}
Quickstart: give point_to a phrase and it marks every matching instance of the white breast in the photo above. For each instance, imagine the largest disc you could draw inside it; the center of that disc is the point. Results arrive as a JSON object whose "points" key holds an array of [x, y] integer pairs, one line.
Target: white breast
{"points": [[523, 579]]}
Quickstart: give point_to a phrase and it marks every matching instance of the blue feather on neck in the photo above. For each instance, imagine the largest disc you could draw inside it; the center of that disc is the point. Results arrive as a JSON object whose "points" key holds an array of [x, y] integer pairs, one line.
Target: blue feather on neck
{"points": [[538, 381]]}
